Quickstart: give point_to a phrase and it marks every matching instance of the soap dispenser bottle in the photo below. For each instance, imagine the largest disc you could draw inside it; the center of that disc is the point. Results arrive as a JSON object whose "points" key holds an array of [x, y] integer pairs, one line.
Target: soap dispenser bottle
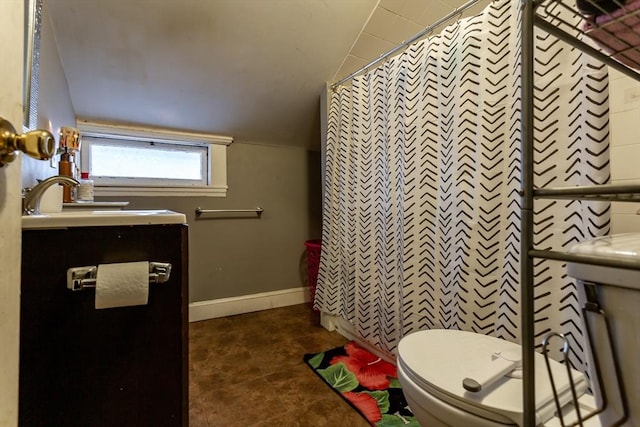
{"points": [[84, 190], [65, 169]]}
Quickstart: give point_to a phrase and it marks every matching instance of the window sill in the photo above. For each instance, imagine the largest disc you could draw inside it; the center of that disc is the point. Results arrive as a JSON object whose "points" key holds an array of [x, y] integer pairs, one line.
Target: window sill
{"points": [[161, 191]]}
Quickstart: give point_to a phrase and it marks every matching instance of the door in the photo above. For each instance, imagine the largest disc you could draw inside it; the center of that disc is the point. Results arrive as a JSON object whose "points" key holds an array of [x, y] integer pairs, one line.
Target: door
{"points": [[11, 49]]}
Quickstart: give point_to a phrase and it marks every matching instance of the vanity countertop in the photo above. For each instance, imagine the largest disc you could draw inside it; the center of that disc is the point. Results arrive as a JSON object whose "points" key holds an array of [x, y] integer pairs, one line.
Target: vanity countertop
{"points": [[98, 218]]}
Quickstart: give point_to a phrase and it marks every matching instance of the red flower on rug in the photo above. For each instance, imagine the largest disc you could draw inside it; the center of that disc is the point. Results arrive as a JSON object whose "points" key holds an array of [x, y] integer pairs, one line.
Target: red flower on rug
{"points": [[371, 371], [366, 404], [369, 384]]}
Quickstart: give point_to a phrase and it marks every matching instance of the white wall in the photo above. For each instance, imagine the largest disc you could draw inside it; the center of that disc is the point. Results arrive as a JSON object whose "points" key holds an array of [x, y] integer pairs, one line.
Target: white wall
{"points": [[54, 102], [625, 147]]}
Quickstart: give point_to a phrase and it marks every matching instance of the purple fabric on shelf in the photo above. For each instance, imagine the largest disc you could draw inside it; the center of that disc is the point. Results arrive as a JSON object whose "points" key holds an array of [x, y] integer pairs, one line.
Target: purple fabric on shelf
{"points": [[619, 33]]}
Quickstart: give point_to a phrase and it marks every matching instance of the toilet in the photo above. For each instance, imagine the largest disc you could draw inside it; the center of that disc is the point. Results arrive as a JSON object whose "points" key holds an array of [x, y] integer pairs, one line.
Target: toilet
{"points": [[457, 378]]}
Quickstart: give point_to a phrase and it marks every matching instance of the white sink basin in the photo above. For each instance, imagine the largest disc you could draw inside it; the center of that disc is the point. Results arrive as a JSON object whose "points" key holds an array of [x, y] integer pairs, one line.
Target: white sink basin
{"points": [[97, 218]]}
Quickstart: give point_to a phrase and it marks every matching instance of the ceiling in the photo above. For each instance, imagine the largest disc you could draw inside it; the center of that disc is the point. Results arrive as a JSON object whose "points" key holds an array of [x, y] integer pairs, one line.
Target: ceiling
{"points": [[250, 69]]}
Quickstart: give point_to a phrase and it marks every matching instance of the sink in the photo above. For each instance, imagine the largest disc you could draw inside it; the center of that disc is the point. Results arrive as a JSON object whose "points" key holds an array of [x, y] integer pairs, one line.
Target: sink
{"points": [[97, 218], [95, 206]]}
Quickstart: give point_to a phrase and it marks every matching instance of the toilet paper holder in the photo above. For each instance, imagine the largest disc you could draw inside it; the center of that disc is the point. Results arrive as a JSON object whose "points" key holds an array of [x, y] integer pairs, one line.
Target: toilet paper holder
{"points": [[79, 278]]}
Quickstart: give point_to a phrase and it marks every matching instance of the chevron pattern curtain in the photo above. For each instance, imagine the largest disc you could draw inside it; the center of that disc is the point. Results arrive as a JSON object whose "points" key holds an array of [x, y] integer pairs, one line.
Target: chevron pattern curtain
{"points": [[421, 221]]}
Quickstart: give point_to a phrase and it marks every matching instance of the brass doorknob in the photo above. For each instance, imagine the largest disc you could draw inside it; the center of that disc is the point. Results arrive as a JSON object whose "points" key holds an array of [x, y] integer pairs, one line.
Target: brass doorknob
{"points": [[38, 144]]}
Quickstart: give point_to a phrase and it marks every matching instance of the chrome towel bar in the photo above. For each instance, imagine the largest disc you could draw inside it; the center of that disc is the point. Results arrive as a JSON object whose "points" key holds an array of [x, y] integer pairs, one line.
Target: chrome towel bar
{"points": [[79, 278], [200, 211]]}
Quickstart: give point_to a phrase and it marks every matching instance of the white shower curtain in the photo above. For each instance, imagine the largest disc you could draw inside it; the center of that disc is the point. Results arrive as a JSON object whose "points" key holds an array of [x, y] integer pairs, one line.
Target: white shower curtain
{"points": [[421, 221]]}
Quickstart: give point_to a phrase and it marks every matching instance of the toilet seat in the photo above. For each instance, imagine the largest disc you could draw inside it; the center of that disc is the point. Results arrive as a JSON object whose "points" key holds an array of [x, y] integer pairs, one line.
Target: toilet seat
{"points": [[438, 360]]}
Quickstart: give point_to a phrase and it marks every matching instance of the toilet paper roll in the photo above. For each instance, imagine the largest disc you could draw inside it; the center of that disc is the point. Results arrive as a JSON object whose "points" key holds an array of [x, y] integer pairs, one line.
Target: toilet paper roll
{"points": [[122, 285]]}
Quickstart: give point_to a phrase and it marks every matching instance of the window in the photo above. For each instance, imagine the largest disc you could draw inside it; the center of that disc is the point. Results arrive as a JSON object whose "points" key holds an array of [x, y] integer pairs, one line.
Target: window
{"points": [[146, 162], [134, 163]]}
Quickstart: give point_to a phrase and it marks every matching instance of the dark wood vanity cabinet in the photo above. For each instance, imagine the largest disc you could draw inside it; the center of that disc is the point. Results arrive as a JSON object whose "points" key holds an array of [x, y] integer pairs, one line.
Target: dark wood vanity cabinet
{"points": [[116, 367]]}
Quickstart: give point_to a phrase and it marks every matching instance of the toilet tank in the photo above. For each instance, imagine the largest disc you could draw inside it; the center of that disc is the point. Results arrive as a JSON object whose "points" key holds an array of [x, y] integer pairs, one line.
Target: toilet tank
{"points": [[622, 247], [613, 322]]}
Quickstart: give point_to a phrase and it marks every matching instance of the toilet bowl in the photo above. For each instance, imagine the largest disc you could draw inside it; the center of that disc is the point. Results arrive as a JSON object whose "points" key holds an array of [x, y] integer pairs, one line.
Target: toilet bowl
{"points": [[433, 364]]}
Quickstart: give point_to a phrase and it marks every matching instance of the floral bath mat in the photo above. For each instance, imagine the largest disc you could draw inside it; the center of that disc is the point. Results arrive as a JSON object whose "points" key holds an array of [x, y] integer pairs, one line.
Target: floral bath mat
{"points": [[367, 382]]}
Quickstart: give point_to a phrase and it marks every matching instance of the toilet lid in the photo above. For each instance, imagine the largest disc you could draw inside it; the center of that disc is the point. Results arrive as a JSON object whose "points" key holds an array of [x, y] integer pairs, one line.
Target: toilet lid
{"points": [[438, 360]]}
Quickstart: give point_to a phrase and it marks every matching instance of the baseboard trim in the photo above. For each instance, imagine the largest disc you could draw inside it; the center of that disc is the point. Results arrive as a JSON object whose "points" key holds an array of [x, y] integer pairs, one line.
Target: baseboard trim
{"points": [[212, 309], [347, 330]]}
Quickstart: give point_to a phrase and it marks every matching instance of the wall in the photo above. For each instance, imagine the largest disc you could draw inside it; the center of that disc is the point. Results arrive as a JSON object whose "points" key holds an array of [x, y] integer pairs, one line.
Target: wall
{"points": [[228, 257], [54, 102], [232, 257], [625, 147]]}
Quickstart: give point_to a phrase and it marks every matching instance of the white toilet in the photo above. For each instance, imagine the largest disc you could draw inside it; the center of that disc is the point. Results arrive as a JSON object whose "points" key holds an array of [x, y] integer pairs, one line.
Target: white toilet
{"points": [[437, 368]]}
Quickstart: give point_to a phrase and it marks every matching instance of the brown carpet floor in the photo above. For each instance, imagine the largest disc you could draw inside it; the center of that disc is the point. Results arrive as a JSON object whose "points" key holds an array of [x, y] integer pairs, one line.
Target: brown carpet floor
{"points": [[247, 370]]}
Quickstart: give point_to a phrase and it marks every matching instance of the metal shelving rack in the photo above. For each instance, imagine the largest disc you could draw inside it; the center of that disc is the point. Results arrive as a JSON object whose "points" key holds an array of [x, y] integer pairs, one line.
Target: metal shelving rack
{"points": [[629, 193]]}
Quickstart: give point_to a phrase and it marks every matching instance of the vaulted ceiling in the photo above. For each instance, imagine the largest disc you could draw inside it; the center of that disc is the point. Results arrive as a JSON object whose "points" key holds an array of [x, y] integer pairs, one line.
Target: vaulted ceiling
{"points": [[251, 69]]}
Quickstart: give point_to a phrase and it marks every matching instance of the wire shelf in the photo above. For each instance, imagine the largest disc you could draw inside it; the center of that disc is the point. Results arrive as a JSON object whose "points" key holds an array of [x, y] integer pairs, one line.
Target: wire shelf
{"points": [[606, 29], [611, 192]]}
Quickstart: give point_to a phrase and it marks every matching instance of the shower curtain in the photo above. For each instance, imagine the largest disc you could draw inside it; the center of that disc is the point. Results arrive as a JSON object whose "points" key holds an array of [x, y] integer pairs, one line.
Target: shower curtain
{"points": [[421, 216]]}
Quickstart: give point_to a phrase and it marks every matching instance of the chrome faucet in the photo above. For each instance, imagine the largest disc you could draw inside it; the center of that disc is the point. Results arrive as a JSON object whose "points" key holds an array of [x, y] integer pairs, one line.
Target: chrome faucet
{"points": [[33, 195]]}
